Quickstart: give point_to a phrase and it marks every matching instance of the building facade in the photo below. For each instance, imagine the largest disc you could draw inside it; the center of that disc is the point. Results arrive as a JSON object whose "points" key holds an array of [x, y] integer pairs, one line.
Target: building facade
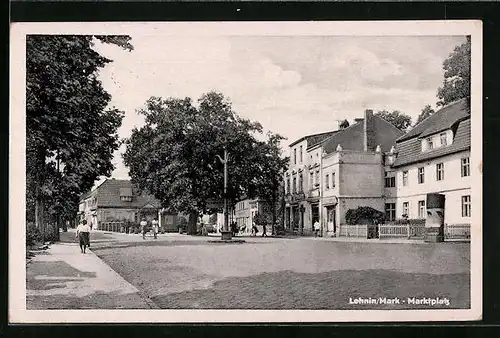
{"points": [[117, 201], [434, 157], [342, 170], [372, 163]]}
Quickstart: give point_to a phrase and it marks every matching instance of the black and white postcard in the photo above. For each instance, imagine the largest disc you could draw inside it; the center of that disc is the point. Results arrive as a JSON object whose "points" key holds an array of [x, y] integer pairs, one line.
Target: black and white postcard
{"points": [[250, 172]]}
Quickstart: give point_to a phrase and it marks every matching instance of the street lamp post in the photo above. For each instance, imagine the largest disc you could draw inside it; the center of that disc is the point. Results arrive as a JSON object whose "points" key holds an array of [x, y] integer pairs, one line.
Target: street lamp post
{"points": [[226, 234]]}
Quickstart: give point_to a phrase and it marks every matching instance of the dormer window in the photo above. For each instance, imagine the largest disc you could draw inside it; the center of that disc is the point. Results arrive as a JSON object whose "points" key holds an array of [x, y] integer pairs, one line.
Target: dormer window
{"points": [[442, 137], [126, 194], [430, 144]]}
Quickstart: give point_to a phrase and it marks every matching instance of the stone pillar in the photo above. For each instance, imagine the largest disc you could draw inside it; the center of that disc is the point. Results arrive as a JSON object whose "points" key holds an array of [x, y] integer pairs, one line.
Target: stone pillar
{"points": [[434, 222]]}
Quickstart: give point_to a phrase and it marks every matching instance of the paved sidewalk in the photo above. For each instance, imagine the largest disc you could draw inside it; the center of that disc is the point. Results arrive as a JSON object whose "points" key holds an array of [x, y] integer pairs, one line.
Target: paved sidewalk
{"points": [[64, 278]]}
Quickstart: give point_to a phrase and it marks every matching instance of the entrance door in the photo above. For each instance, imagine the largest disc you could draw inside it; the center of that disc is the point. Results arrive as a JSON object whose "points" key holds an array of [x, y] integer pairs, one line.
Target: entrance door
{"points": [[314, 213], [331, 219]]}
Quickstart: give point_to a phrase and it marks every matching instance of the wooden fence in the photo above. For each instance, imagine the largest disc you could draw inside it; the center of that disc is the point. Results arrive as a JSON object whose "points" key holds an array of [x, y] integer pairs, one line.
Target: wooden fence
{"points": [[457, 231], [357, 230], [112, 226], [409, 231]]}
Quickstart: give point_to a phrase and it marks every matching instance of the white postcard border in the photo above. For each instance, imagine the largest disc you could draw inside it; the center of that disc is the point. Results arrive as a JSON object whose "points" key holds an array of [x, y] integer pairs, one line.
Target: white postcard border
{"points": [[17, 173]]}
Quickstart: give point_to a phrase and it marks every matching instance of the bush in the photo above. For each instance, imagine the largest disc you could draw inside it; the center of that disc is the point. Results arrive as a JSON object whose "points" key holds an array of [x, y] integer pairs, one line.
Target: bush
{"points": [[364, 215], [33, 235]]}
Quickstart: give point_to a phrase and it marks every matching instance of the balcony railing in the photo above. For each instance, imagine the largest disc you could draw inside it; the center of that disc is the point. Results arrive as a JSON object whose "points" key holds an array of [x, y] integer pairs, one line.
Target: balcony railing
{"points": [[313, 193], [295, 197]]}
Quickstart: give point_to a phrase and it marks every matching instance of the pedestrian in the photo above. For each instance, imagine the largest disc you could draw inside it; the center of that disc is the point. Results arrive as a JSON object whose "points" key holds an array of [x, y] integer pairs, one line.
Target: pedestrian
{"points": [[264, 231], [254, 230], [316, 228], [144, 228], [154, 224], [83, 234]]}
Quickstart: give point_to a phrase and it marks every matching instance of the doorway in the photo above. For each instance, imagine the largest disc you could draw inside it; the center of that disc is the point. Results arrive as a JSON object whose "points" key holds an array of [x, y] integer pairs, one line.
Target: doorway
{"points": [[331, 220]]}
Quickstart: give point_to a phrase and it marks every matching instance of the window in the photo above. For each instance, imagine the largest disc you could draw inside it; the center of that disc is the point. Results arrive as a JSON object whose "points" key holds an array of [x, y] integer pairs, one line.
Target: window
{"points": [[442, 137], [421, 175], [288, 185], [465, 167], [295, 156], [466, 206], [333, 180], [439, 171], [311, 178], [126, 198], [390, 181], [430, 144], [294, 185], [301, 183], [405, 178], [327, 181], [301, 154], [390, 211], [406, 209], [317, 177], [421, 209]]}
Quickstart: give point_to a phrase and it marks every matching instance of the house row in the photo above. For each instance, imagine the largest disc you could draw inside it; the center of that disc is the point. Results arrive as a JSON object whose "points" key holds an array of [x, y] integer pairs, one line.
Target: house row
{"points": [[119, 201], [372, 163]]}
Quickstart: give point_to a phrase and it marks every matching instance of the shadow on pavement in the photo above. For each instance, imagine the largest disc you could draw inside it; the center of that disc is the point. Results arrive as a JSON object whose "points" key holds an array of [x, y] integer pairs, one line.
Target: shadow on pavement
{"points": [[58, 273]]}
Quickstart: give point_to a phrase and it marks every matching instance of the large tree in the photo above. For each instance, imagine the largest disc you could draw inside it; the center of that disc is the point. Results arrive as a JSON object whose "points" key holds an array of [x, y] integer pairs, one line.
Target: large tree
{"points": [[396, 118], [71, 131], [174, 155], [456, 83], [425, 113]]}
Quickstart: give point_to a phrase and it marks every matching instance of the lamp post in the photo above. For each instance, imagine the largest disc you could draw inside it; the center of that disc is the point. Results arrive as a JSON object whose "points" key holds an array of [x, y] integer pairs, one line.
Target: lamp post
{"points": [[226, 233]]}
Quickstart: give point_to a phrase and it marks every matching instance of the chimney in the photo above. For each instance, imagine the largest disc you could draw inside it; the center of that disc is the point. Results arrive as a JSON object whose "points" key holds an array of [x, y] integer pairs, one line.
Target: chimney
{"points": [[368, 131]]}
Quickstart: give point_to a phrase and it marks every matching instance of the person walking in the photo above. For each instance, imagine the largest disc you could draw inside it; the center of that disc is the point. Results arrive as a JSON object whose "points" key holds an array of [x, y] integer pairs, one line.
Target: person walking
{"points": [[144, 228], [83, 234], [154, 225], [264, 231], [316, 228], [254, 230]]}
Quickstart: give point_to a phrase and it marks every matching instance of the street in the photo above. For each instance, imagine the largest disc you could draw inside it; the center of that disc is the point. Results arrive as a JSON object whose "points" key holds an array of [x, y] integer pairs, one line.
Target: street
{"points": [[181, 272]]}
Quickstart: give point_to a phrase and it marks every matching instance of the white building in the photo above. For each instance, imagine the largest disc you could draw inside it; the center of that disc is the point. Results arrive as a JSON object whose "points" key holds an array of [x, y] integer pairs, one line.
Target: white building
{"points": [[434, 157]]}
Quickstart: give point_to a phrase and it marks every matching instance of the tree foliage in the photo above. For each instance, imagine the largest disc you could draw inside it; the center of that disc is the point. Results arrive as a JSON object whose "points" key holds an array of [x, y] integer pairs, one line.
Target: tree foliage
{"points": [[344, 124], [396, 118], [174, 155], [425, 113], [364, 215], [456, 83], [262, 219], [71, 131]]}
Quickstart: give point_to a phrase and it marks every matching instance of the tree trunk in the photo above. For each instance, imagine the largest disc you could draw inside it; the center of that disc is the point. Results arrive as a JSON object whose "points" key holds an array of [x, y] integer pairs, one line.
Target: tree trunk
{"points": [[39, 204], [191, 227]]}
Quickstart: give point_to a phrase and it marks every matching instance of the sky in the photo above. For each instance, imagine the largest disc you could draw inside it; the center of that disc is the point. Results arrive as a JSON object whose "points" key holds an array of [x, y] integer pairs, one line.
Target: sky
{"points": [[292, 85]]}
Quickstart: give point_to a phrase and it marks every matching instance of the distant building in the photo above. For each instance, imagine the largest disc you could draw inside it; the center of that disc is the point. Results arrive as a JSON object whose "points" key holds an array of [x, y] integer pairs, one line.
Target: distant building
{"points": [[245, 211], [117, 200]]}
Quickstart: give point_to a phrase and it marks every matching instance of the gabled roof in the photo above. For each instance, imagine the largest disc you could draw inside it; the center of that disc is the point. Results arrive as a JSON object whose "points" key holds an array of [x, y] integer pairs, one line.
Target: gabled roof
{"points": [[109, 192], [410, 151], [443, 119], [353, 137], [313, 139]]}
